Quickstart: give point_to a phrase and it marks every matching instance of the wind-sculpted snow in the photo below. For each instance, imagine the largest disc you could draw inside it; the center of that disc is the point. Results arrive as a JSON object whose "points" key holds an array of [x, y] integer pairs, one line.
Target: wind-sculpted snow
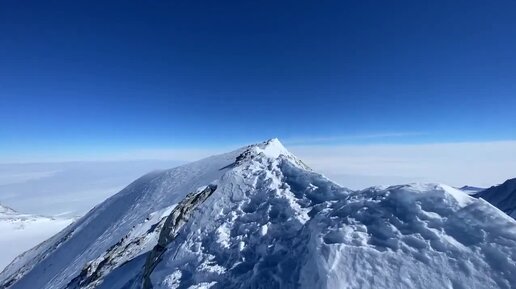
{"points": [[411, 237], [261, 219], [284, 227]]}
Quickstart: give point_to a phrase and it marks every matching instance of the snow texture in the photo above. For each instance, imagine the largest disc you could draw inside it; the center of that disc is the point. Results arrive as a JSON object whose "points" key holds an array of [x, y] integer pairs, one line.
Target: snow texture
{"points": [[259, 218]]}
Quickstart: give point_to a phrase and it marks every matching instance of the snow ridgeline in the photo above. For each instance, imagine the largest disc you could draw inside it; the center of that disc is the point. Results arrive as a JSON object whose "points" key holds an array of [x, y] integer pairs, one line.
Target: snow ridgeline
{"points": [[259, 218], [502, 196]]}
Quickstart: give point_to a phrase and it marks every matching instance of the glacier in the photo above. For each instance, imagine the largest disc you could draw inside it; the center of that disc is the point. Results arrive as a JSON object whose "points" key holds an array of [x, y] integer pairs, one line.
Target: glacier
{"points": [[258, 217]]}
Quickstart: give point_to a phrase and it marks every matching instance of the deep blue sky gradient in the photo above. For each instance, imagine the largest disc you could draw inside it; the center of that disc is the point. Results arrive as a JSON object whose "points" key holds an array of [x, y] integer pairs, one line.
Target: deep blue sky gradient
{"points": [[88, 75]]}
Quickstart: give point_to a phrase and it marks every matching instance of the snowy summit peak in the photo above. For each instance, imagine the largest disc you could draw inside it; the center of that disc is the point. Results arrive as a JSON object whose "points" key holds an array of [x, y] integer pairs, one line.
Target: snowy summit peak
{"points": [[257, 218], [4, 210], [270, 149]]}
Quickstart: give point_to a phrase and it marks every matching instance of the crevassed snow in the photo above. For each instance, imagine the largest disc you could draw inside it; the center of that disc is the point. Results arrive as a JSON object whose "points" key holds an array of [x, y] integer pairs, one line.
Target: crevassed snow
{"points": [[272, 223]]}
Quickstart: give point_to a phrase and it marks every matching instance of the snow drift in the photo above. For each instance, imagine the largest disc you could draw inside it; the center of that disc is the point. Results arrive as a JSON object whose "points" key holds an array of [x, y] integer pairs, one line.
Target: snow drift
{"points": [[260, 218]]}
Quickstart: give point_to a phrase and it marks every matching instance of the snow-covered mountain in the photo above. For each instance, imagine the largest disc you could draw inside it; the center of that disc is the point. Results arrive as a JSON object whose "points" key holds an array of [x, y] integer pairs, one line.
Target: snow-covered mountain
{"points": [[20, 232], [471, 190], [260, 218], [502, 196]]}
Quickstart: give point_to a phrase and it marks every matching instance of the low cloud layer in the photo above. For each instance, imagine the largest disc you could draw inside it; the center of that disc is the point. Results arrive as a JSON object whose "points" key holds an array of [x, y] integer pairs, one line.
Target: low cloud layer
{"points": [[357, 166], [73, 188], [68, 188]]}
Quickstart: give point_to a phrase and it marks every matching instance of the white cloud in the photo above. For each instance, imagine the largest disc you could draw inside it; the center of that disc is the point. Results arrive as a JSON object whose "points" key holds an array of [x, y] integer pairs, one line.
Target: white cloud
{"points": [[13, 177], [28, 186], [347, 138], [356, 166], [72, 188], [175, 154]]}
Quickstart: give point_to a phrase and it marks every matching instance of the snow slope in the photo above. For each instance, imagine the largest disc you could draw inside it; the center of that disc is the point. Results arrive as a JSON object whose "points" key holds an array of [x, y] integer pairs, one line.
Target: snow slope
{"points": [[62, 258], [259, 218], [20, 232], [70, 188], [502, 196]]}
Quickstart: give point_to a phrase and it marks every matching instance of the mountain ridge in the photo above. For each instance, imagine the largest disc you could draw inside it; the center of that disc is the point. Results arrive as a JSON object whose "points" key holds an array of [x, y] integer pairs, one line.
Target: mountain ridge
{"points": [[258, 217], [502, 196]]}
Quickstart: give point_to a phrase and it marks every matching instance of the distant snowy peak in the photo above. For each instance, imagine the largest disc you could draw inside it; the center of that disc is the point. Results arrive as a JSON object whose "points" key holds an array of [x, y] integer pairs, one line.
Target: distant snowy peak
{"points": [[502, 196], [20, 232], [271, 149], [471, 190], [6, 211], [257, 217]]}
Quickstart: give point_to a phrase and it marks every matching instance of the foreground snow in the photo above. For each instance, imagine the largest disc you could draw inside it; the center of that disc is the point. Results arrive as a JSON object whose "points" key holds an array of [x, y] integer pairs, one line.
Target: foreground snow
{"points": [[259, 218], [21, 232]]}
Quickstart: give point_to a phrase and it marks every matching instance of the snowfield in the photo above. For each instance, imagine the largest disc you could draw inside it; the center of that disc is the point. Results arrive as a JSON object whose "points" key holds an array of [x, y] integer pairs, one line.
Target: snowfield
{"points": [[21, 232], [258, 217]]}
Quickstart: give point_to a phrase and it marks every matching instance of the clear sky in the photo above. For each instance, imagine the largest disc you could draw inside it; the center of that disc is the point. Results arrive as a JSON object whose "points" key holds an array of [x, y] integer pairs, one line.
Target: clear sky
{"points": [[84, 77]]}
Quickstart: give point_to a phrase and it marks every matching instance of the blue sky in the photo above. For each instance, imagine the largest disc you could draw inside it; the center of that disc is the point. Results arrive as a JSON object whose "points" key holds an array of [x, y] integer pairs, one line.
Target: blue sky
{"points": [[84, 77]]}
